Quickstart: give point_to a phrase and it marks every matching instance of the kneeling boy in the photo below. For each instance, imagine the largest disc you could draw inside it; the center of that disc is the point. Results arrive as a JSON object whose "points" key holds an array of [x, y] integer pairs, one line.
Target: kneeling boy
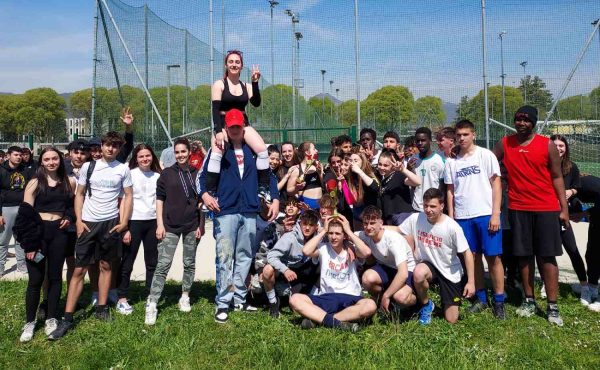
{"points": [[339, 301]]}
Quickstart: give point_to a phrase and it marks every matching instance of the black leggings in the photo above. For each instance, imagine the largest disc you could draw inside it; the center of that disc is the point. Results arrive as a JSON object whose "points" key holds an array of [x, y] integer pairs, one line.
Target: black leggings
{"points": [[570, 245], [141, 231], [592, 254], [55, 241]]}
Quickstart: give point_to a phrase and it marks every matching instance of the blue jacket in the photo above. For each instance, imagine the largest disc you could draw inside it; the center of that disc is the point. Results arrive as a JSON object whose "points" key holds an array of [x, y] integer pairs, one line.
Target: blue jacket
{"points": [[237, 194]]}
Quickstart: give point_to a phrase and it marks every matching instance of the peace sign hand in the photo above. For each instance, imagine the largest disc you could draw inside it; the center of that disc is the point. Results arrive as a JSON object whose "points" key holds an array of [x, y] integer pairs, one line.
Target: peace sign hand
{"points": [[397, 165], [126, 116], [255, 73]]}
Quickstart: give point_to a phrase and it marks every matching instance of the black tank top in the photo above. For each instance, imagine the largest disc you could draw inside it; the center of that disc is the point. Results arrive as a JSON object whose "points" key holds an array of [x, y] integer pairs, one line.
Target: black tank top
{"points": [[312, 179], [230, 101], [54, 200]]}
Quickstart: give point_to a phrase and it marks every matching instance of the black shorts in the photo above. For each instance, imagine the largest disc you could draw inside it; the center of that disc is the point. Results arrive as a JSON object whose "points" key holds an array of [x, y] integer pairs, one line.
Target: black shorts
{"points": [[308, 276], [97, 244], [535, 233], [450, 293]]}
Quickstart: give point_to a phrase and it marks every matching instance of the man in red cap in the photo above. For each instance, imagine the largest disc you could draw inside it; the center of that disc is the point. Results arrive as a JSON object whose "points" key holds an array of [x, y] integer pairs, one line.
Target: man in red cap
{"points": [[236, 206], [537, 206]]}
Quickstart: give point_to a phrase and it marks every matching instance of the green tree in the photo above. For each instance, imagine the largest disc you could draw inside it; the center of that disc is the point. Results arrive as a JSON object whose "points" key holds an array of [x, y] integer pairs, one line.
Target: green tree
{"points": [[388, 107], [347, 112], [537, 94], [429, 110], [575, 107], [41, 112], [323, 108]]}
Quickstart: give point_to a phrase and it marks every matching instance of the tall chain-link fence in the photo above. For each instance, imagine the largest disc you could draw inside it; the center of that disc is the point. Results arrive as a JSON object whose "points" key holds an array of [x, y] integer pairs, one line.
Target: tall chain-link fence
{"points": [[419, 64]]}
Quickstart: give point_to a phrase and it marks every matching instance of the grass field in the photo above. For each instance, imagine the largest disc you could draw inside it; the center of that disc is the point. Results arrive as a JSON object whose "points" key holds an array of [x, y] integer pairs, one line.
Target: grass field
{"points": [[185, 341]]}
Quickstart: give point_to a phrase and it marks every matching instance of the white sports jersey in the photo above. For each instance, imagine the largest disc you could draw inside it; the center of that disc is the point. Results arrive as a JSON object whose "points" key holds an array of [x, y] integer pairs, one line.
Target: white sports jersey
{"points": [[431, 172], [338, 273], [391, 250]]}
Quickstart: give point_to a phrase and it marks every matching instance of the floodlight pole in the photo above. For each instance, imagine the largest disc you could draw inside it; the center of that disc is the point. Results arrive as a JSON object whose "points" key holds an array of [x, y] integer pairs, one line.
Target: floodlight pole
{"points": [[323, 90], [357, 65], [562, 91], [594, 23], [524, 64], [93, 118], [485, 89], [273, 4], [212, 56], [137, 71], [295, 20], [503, 76], [169, 95]]}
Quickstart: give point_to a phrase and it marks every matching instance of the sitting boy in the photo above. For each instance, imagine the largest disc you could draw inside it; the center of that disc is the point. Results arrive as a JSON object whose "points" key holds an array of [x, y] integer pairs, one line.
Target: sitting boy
{"points": [[391, 276], [339, 302], [286, 261]]}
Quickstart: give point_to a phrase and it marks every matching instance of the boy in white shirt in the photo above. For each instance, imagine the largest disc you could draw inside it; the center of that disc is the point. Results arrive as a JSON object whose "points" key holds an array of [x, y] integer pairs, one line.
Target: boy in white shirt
{"points": [[474, 193], [428, 165], [391, 276], [437, 240], [339, 302]]}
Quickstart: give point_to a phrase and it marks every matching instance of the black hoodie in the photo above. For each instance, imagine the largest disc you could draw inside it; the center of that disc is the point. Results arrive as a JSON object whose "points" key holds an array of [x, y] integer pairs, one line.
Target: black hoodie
{"points": [[12, 184], [177, 189]]}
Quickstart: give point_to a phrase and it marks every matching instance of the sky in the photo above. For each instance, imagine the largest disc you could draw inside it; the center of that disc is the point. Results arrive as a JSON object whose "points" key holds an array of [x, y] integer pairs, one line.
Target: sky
{"points": [[432, 47]]}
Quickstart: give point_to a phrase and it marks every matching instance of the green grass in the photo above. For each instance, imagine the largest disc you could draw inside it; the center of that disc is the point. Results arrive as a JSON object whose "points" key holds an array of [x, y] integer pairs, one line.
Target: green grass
{"points": [[256, 341]]}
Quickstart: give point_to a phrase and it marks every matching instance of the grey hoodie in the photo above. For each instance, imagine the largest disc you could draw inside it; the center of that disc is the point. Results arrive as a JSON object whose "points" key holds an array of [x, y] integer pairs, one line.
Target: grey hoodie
{"points": [[287, 252]]}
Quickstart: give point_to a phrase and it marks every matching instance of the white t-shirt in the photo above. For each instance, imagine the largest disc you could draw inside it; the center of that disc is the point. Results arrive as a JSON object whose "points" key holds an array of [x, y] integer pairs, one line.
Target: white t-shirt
{"points": [[338, 274], [106, 182], [471, 179], [375, 159], [144, 194], [239, 156], [431, 172], [438, 244], [391, 250]]}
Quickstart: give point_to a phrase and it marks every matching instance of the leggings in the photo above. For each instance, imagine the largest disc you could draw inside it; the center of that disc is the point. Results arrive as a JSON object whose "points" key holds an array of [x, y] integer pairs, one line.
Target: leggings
{"points": [[570, 245], [141, 231], [55, 241], [592, 254]]}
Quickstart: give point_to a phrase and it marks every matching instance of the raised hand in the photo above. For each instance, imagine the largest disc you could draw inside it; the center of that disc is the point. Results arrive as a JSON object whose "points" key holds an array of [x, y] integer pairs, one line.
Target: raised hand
{"points": [[255, 73], [397, 165], [126, 116]]}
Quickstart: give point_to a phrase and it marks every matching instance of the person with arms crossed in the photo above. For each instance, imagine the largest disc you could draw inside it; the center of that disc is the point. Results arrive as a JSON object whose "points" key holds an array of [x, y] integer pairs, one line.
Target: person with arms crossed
{"points": [[474, 193], [437, 240], [537, 207]]}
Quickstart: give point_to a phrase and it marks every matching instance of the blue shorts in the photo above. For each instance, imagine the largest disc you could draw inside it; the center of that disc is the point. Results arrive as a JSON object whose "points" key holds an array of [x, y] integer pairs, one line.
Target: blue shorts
{"points": [[312, 203], [480, 239], [387, 274], [334, 302]]}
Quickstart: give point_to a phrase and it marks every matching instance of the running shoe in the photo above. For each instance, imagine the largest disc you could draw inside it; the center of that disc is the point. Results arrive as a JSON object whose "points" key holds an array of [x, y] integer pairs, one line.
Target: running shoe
{"points": [[586, 295], [348, 326], [498, 310], [62, 329], [124, 308], [104, 315], [51, 325], [478, 307], [274, 309], [595, 306], [151, 312], [426, 312], [184, 303], [307, 324], [221, 315], [27, 334], [527, 309], [245, 307], [554, 317]]}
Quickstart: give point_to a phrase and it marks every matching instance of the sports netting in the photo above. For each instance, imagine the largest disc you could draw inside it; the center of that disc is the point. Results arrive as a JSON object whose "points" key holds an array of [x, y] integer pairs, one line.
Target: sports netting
{"points": [[420, 64]]}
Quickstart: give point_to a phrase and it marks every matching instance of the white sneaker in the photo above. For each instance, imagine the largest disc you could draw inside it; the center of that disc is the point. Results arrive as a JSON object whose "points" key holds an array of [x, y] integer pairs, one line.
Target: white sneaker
{"points": [[124, 308], [543, 294], [151, 312], [113, 297], [586, 295], [94, 299], [184, 304], [27, 332], [594, 306], [51, 325]]}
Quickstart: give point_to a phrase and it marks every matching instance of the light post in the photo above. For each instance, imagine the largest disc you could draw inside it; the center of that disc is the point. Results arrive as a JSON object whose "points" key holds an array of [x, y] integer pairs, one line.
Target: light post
{"points": [[337, 108], [272, 4], [503, 75], [595, 23], [295, 20], [323, 90], [169, 95], [524, 64]]}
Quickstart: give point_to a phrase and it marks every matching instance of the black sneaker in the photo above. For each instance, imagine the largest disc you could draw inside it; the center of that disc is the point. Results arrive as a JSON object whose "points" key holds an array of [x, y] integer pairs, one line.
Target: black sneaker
{"points": [[104, 315], [245, 307], [349, 326], [221, 316], [274, 309], [62, 329], [307, 324], [478, 307], [498, 310], [42, 311]]}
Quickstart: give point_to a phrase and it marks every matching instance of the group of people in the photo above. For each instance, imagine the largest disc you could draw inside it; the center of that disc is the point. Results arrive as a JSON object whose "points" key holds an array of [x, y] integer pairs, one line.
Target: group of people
{"points": [[370, 230]]}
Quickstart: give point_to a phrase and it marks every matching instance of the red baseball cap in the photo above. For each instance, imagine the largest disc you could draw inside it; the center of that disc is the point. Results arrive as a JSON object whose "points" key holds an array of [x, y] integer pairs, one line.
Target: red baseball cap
{"points": [[234, 117]]}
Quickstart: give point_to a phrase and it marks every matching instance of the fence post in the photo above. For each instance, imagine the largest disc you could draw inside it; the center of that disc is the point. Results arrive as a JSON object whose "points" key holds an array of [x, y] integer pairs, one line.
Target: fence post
{"points": [[285, 136], [353, 133]]}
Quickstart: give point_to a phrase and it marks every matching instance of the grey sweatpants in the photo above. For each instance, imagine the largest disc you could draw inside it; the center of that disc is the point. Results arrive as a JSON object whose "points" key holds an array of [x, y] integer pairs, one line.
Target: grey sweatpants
{"points": [[10, 215]]}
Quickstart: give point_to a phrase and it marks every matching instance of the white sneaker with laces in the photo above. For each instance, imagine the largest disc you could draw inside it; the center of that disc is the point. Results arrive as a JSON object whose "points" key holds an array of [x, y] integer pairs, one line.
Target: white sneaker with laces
{"points": [[27, 334], [51, 325], [151, 312], [124, 308], [184, 303], [586, 295], [543, 294]]}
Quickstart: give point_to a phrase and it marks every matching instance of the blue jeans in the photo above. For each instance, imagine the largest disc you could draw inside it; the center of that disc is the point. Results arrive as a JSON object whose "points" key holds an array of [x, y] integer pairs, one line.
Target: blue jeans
{"points": [[235, 236]]}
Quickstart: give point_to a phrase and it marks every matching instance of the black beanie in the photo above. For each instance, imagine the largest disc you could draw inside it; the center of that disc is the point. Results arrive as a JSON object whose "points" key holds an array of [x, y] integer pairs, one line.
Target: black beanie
{"points": [[528, 112]]}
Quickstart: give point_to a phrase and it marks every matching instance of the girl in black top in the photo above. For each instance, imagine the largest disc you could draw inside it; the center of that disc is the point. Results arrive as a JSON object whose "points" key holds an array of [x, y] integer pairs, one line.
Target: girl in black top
{"points": [[570, 174], [364, 185], [50, 193], [306, 180], [227, 94]]}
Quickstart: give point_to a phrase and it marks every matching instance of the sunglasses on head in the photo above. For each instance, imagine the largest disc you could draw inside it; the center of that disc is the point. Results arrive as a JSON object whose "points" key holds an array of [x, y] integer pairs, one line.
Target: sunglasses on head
{"points": [[235, 51]]}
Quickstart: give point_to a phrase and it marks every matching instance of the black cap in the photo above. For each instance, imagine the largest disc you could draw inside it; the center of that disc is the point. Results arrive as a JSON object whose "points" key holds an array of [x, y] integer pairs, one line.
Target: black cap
{"points": [[527, 112], [95, 141], [79, 144]]}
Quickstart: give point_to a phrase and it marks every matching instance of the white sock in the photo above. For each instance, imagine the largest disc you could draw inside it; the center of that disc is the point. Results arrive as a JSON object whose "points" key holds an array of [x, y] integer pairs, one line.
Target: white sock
{"points": [[214, 163], [272, 296], [262, 160]]}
